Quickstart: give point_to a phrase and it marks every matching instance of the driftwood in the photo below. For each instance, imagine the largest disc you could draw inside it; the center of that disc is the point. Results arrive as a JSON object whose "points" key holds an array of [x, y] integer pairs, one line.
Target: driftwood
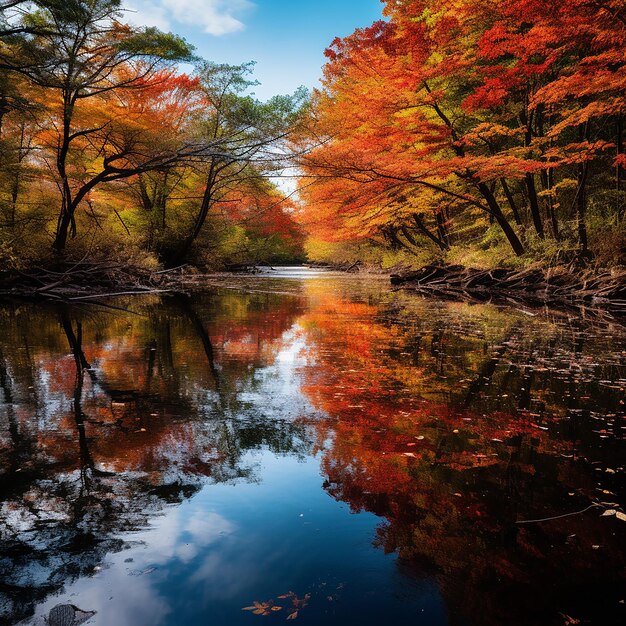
{"points": [[605, 291], [87, 279]]}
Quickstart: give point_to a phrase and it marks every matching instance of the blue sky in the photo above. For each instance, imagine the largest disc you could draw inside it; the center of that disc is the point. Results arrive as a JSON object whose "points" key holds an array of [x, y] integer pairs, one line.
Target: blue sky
{"points": [[286, 38]]}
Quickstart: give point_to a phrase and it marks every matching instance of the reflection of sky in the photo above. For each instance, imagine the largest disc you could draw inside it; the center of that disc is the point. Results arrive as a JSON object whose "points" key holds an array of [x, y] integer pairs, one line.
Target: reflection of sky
{"points": [[233, 544], [277, 391]]}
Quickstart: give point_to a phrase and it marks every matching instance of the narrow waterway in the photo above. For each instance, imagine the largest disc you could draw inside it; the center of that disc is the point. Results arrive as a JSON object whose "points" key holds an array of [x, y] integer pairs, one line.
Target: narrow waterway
{"points": [[312, 446]]}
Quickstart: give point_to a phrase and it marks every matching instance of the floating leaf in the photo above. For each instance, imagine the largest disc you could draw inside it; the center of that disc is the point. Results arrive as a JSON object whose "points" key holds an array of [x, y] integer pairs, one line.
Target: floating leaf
{"points": [[292, 615]]}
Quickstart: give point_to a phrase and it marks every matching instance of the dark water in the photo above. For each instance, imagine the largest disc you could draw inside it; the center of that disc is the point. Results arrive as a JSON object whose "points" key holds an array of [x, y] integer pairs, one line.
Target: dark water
{"points": [[316, 443]]}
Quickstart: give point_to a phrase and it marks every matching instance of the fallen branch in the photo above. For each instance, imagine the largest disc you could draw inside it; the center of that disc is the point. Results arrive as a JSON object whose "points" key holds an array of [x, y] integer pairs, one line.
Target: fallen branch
{"points": [[605, 291], [549, 519]]}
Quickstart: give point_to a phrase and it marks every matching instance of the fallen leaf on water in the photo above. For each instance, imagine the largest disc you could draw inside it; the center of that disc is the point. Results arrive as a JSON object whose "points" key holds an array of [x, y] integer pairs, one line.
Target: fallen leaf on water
{"points": [[292, 615], [620, 516], [259, 608], [608, 512]]}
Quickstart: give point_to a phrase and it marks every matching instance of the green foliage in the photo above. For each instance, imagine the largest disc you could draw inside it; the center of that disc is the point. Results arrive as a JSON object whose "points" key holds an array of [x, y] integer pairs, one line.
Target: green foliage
{"points": [[152, 43]]}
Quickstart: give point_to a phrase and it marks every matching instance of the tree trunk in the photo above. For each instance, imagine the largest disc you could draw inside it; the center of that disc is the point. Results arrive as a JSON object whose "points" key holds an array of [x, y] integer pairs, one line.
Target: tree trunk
{"points": [[526, 119], [496, 211], [581, 195], [533, 202], [511, 201], [442, 228], [65, 224], [207, 201], [419, 222], [547, 179], [581, 207], [619, 173]]}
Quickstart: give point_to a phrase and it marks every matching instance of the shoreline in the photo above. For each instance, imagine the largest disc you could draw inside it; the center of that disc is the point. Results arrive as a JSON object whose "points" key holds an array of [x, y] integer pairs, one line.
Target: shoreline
{"points": [[603, 292]]}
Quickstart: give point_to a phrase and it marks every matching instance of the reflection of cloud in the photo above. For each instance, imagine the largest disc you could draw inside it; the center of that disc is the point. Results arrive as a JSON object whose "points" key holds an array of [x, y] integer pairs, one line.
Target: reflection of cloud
{"points": [[215, 17], [125, 592], [174, 537], [207, 528], [222, 576]]}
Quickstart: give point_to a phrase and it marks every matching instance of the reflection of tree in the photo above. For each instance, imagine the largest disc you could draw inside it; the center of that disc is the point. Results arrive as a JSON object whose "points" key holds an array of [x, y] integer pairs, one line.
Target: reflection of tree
{"points": [[130, 420], [451, 478], [186, 306]]}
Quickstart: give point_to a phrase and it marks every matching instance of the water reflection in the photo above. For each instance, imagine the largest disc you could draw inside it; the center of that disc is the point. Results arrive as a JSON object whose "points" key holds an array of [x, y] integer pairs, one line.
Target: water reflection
{"points": [[162, 463], [456, 424]]}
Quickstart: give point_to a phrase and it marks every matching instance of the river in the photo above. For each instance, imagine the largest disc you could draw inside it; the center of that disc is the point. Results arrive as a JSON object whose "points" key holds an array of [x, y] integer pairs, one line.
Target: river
{"points": [[303, 445]]}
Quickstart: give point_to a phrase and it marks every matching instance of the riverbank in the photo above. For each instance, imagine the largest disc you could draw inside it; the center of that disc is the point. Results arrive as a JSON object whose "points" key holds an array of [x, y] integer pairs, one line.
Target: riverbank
{"points": [[77, 280], [605, 291]]}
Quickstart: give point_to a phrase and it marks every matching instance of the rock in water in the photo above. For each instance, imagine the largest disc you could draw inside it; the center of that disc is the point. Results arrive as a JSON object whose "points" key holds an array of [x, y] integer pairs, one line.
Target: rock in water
{"points": [[68, 615]]}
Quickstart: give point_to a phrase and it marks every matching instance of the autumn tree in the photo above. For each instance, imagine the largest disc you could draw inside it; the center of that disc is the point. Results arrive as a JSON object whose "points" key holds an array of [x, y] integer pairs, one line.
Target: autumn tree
{"points": [[81, 52], [558, 70], [394, 125], [250, 139], [448, 119]]}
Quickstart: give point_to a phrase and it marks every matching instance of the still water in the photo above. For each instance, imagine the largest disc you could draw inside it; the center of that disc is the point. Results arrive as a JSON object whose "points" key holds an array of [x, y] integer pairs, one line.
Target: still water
{"points": [[310, 447]]}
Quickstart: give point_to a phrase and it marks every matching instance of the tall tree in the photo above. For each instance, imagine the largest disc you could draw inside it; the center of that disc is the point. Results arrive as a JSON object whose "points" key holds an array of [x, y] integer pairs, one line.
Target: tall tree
{"points": [[395, 122], [80, 52]]}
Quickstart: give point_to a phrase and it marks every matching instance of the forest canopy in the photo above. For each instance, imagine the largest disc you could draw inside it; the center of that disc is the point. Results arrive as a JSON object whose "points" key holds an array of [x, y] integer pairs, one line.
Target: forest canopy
{"points": [[479, 132]]}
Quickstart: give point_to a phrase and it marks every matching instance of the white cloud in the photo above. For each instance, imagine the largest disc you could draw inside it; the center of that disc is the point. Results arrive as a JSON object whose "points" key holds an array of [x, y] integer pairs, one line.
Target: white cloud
{"points": [[215, 17], [147, 13]]}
